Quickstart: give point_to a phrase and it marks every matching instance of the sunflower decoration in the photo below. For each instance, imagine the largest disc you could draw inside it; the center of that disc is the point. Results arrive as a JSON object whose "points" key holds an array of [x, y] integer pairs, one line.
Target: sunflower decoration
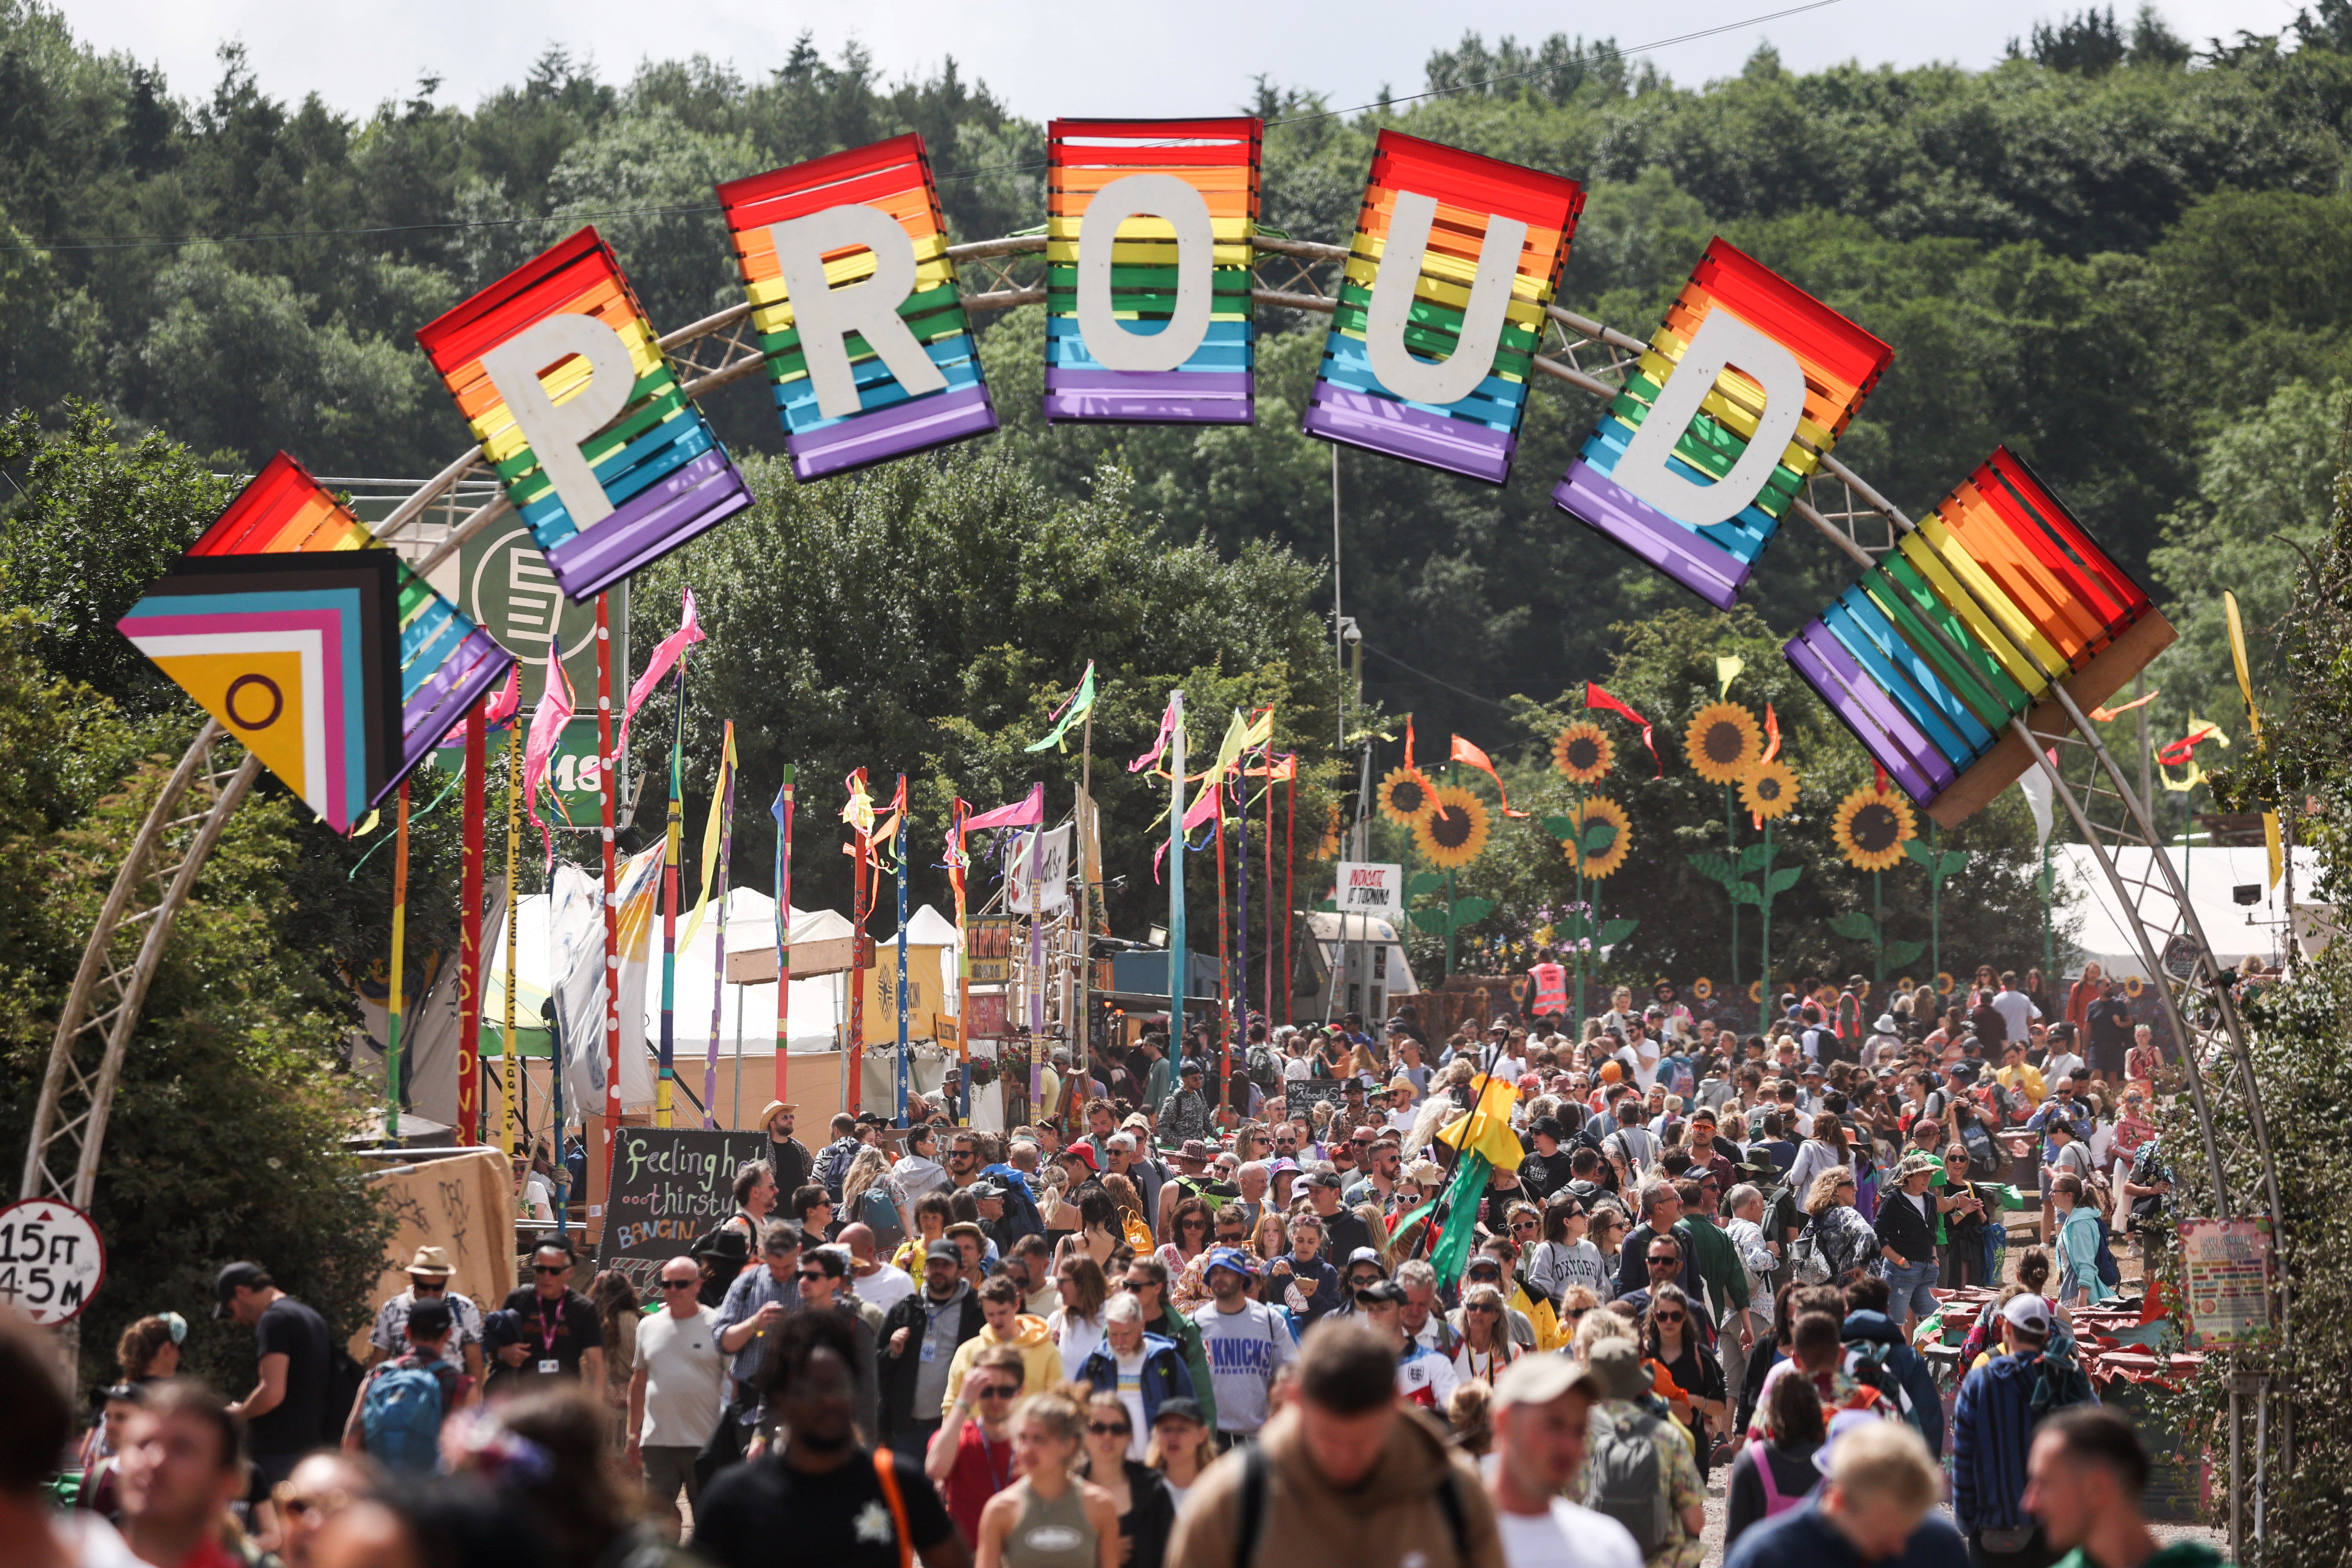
{"points": [[1770, 790], [1755, 991], [1596, 811], [1452, 831], [2133, 985], [1702, 988], [1872, 828], [1582, 753], [1406, 797], [1723, 742], [1944, 983]]}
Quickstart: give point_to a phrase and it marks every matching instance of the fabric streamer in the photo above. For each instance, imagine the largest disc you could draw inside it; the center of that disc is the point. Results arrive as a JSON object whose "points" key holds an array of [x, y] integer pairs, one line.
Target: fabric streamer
{"points": [[712, 831], [1596, 698], [722, 827], [1726, 670], [1771, 734], [1027, 811], [2109, 715], [1464, 751], [1160, 745], [555, 708], [666, 654], [1075, 707]]}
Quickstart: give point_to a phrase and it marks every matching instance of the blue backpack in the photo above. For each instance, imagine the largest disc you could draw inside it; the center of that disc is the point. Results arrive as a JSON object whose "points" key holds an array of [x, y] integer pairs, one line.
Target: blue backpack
{"points": [[400, 1417]]}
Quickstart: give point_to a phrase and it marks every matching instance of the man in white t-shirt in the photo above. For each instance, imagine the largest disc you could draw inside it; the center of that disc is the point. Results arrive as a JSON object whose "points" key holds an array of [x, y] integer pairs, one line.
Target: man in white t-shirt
{"points": [[878, 1284], [1645, 1053], [677, 1392], [1423, 1376], [1542, 1405], [2016, 1008]]}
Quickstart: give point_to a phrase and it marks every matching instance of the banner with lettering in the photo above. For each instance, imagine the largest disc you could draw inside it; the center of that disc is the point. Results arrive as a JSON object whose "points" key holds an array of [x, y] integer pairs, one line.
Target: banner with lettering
{"points": [[670, 1185]]}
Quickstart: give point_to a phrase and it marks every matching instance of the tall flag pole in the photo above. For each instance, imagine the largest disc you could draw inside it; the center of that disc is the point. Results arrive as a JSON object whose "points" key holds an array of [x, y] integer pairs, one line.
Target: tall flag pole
{"points": [[859, 814], [782, 810], [722, 811], [1176, 964], [612, 898], [1086, 831], [399, 951], [900, 1091], [957, 812], [509, 1053], [1268, 991], [672, 829], [1225, 948], [469, 927], [1289, 885], [1036, 969]]}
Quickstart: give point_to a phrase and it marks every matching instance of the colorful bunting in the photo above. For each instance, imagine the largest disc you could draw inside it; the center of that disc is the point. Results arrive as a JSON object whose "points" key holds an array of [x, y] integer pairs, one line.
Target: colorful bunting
{"points": [[2013, 583], [885, 364], [1478, 246], [1148, 312], [1755, 379], [560, 379], [313, 645]]}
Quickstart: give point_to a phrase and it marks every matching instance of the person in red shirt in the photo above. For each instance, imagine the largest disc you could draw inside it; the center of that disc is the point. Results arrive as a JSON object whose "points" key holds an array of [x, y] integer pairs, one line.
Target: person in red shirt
{"points": [[183, 1463], [970, 1458]]}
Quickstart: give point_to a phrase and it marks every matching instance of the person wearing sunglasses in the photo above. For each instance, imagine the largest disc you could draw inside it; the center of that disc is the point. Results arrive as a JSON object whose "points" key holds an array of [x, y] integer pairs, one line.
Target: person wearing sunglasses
{"points": [[1113, 1461], [677, 1392], [826, 1287], [1670, 1337], [970, 1459], [429, 1274]]}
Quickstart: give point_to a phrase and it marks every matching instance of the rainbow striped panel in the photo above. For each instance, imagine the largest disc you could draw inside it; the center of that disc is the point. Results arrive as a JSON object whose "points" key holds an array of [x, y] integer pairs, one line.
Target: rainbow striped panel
{"points": [[664, 472], [895, 177], [1478, 434], [1841, 363], [1218, 158], [2023, 595], [313, 645]]}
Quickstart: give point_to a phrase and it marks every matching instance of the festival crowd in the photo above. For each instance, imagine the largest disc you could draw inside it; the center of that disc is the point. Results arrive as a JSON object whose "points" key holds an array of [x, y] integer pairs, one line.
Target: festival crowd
{"points": [[1167, 1323]]}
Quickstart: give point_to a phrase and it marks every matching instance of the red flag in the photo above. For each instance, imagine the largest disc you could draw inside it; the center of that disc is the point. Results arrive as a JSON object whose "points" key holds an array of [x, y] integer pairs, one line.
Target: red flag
{"points": [[1596, 698], [1771, 733], [1880, 777], [1412, 772], [1464, 751]]}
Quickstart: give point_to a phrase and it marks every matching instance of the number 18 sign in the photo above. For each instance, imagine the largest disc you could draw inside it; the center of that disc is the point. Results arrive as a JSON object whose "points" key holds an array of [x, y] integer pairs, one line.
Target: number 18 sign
{"points": [[51, 1260]]}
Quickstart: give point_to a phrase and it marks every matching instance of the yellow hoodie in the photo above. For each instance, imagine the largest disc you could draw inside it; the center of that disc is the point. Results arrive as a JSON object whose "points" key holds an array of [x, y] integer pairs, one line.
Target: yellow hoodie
{"points": [[1041, 1358]]}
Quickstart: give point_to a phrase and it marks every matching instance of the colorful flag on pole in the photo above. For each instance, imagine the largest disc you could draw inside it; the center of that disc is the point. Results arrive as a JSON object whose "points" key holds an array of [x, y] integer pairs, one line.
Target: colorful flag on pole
{"points": [[1464, 751], [1075, 707], [666, 654], [556, 707]]}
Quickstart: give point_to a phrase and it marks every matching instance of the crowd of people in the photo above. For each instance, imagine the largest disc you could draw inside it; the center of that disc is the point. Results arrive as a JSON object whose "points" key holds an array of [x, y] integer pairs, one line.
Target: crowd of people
{"points": [[1171, 1324]]}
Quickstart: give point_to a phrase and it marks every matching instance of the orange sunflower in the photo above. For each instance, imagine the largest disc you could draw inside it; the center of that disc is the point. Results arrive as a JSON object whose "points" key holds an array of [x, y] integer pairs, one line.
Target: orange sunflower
{"points": [[1770, 790], [1454, 832], [1702, 988], [1598, 810], [1405, 797], [1723, 742], [1871, 827], [1582, 753]]}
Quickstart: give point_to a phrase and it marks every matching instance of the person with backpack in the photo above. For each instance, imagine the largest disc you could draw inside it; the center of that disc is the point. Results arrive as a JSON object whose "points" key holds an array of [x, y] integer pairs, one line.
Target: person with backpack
{"points": [[2088, 1271], [1774, 1473], [1639, 1467], [397, 1420], [1542, 1415], [2001, 1403], [1876, 1353]]}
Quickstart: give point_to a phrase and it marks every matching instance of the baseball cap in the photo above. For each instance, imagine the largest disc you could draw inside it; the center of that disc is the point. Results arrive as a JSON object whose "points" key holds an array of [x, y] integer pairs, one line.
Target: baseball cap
{"points": [[1380, 1291], [1180, 1408], [1085, 1151], [2028, 1312], [1192, 1068], [944, 1249], [982, 1190], [1366, 1255], [1540, 1379], [1323, 1179], [246, 1275], [1232, 1258]]}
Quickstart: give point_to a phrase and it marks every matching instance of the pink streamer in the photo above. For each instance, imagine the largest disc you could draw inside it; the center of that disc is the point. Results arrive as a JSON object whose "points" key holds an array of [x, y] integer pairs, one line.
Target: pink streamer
{"points": [[666, 654], [1029, 812], [1160, 746], [539, 746]]}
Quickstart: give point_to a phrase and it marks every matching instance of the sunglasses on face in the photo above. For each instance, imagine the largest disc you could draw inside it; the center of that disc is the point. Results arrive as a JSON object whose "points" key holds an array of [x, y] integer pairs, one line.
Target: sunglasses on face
{"points": [[1658, 1262], [1195, 1224], [1139, 1286], [1482, 1307], [428, 1286], [1110, 1428], [814, 1274], [1523, 1224], [680, 1284], [996, 1390], [1669, 1317], [551, 1268]]}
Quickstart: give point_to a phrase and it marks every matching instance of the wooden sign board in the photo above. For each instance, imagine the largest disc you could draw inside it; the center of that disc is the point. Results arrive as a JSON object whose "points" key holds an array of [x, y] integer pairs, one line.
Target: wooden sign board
{"points": [[670, 1185], [757, 965]]}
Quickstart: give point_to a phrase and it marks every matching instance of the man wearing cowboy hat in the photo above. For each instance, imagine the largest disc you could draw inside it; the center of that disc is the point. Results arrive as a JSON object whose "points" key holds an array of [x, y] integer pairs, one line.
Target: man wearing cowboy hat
{"points": [[788, 1157], [428, 1280]]}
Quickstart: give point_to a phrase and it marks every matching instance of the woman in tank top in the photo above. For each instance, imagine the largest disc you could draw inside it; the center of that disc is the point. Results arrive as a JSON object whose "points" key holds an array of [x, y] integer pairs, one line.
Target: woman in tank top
{"points": [[1048, 1518]]}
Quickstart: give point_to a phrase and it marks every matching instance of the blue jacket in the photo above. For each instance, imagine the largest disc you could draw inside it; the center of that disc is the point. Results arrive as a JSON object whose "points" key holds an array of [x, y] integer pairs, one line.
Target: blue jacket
{"points": [[1910, 1369], [1164, 1373], [1992, 1431]]}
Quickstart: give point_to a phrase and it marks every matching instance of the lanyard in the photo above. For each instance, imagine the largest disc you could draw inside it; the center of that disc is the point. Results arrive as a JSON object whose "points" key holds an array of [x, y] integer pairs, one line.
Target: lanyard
{"points": [[998, 1479], [548, 1329]]}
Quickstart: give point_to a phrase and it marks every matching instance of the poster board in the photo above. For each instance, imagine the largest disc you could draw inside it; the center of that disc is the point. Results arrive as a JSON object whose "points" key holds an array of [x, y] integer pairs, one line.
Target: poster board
{"points": [[1301, 1096], [669, 1184], [2226, 1267], [464, 1205]]}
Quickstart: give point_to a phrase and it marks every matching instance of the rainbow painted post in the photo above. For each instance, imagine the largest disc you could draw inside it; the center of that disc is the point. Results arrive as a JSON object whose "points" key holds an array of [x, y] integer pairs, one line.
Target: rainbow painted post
{"points": [[854, 298], [313, 645], [1754, 379], [1148, 312], [2024, 598], [561, 379], [1477, 251]]}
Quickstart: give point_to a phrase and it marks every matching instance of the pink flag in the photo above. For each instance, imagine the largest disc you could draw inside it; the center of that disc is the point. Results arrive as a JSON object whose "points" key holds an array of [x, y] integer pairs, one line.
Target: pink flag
{"points": [[1160, 746], [666, 654], [546, 729], [1029, 812], [508, 701]]}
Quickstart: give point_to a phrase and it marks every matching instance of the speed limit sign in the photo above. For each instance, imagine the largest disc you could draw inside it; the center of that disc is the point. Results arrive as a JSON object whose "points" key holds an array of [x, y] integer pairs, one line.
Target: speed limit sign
{"points": [[51, 1260]]}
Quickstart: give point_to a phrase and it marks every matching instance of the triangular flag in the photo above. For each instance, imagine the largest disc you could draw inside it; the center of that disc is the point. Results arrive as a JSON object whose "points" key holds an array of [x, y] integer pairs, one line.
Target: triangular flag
{"points": [[718, 788], [1726, 669], [666, 654], [1029, 811], [1159, 746], [555, 708], [1464, 751], [2034, 784], [1596, 698]]}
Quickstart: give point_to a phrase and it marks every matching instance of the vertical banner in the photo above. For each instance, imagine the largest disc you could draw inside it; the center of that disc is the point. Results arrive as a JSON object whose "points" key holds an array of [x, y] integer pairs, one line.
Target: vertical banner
{"points": [[845, 259], [1147, 258], [1747, 385], [562, 380], [1441, 313]]}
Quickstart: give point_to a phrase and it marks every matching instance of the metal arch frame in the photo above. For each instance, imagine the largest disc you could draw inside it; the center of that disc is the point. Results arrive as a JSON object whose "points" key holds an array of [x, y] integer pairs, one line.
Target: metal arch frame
{"points": [[721, 349]]}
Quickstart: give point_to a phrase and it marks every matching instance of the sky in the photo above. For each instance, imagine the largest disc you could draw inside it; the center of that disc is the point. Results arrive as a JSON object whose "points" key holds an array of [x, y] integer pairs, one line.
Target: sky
{"points": [[1044, 58]]}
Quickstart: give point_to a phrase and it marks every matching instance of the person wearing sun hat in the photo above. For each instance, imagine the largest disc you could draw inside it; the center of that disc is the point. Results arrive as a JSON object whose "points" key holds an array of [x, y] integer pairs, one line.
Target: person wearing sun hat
{"points": [[1906, 1237], [428, 1280]]}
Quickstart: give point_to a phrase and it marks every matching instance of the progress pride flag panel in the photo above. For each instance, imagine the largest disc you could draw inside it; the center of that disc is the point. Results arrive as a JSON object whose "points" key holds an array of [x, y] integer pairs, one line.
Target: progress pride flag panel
{"points": [[561, 379]]}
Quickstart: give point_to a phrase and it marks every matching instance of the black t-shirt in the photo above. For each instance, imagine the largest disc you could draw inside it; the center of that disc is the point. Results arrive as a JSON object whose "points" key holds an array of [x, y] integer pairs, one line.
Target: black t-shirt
{"points": [[2109, 1022], [561, 1337], [298, 1422], [766, 1514], [1544, 1174]]}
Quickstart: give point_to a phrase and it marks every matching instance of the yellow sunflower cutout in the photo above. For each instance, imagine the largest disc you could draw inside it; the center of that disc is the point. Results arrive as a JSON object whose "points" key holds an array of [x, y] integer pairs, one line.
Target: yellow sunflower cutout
{"points": [[1770, 790], [1454, 832], [1755, 991], [1329, 845], [1405, 797], [1871, 829], [1702, 988], [1723, 742], [1600, 808], [1906, 985], [1943, 983], [1582, 753], [2133, 985]]}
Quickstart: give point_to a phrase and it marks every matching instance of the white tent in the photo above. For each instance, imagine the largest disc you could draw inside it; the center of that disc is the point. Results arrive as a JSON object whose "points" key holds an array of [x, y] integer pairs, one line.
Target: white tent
{"points": [[2212, 875]]}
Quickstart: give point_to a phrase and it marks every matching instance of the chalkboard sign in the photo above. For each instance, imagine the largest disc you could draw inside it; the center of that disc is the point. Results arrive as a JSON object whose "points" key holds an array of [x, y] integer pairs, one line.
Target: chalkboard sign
{"points": [[670, 1185], [1301, 1096]]}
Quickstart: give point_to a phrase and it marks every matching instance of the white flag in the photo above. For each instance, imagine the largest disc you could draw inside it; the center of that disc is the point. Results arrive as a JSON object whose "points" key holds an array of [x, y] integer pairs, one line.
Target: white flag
{"points": [[2035, 784]]}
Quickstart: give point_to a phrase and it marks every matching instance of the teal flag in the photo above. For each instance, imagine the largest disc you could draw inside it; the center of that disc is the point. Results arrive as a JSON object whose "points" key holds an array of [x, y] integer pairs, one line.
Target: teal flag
{"points": [[1462, 1194]]}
